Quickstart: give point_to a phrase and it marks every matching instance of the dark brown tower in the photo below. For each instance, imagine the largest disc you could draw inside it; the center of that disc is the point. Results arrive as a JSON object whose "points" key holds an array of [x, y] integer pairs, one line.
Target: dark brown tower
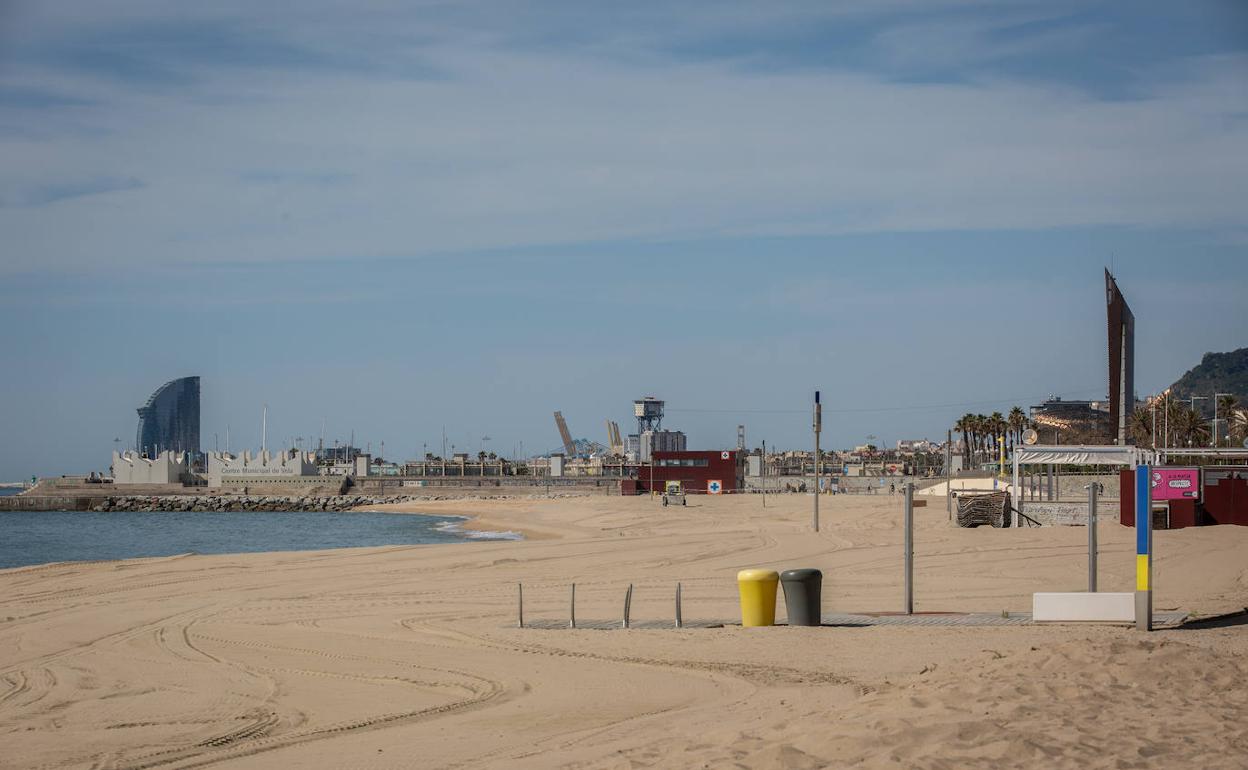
{"points": [[1121, 360]]}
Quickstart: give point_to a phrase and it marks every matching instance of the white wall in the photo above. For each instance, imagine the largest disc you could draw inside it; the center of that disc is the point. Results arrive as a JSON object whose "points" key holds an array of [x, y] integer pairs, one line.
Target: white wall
{"points": [[166, 468], [257, 468]]}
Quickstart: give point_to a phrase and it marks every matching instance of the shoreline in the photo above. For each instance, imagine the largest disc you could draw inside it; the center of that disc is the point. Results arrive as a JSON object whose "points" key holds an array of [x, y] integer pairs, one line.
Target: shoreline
{"points": [[476, 520]]}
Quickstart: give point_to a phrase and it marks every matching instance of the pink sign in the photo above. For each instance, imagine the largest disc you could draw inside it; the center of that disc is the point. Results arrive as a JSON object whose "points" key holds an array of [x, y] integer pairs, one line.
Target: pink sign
{"points": [[1176, 483]]}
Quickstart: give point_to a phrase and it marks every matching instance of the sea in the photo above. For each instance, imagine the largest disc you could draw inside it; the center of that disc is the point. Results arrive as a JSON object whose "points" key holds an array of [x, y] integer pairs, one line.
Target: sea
{"points": [[40, 537]]}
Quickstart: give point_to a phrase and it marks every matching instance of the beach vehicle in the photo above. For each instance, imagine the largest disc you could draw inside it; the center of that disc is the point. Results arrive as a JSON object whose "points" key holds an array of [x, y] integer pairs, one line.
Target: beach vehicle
{"points": [[673, 499], [673, 494]]}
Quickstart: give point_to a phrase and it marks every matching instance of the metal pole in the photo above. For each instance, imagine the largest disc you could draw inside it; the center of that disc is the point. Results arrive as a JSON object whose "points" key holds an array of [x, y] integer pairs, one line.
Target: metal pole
{"points": [[1018, 491], [1001, 459], [1143, 550], [572, 613], [909, 548], [949, 475], [680, 622], [520, 605], [1154, 423], [1214, 427], [1094, 489], [762, 473], [818, 424], [628, 603]]}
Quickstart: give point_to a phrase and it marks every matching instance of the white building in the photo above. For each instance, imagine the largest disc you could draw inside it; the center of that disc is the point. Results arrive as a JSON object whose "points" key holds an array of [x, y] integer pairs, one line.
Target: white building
{"points": [[166, 468], [265, 467]]}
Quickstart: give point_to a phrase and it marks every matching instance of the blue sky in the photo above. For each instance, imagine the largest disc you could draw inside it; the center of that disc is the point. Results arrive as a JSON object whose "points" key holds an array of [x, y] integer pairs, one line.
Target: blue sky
{"points": [[395, 216]]}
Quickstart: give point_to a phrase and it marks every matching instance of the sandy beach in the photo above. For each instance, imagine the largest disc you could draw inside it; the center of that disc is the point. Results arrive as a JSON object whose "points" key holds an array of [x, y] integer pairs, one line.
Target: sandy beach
{"points": [[409, 656]]}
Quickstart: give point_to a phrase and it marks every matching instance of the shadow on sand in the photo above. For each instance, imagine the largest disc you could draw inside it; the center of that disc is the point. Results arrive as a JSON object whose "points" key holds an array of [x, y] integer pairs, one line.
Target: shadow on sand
{"points": [[1229, 620]]}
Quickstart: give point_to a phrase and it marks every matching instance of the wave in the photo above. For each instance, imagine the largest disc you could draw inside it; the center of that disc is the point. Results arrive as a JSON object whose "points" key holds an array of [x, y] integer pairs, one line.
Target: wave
{"points": [[457, 528]]}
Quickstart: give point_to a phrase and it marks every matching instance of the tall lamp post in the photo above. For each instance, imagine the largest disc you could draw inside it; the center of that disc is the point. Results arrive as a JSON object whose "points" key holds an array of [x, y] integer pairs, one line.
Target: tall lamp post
{"points": [[1214, 432], [817, 426], [1193, 400]]}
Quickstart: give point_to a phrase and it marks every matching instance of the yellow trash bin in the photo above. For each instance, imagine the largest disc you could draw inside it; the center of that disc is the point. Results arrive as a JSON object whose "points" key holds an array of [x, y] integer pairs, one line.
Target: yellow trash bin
{"points": [[758, 596]]}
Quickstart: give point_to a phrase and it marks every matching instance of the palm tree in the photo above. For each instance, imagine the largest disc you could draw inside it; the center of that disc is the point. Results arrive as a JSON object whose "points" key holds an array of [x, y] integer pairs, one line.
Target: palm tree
{"points": [[1018, 423], [1193, 430], [965, 426], [1141, 427], [996, 432], [1239, 425], [1228, 404]]}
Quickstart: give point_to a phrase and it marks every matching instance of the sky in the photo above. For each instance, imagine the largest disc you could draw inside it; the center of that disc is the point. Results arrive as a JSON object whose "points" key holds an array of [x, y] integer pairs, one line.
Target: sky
{"points": [[398, 218]]}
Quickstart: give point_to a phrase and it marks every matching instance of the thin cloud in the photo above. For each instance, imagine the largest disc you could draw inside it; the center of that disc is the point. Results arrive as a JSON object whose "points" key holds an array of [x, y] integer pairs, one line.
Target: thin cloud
{"points": [[45, 194]]}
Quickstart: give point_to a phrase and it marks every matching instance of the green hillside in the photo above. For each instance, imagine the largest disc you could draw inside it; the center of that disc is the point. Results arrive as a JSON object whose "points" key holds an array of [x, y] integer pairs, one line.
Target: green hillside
{"points": [[1216, 373]]}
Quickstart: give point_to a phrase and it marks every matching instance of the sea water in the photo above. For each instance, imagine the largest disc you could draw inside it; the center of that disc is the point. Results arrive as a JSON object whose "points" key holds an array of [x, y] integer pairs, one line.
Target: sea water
{"points": [[39, 537]]}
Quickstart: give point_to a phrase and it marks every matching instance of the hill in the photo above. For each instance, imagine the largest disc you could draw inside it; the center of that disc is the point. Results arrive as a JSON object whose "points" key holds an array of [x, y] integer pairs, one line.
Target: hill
{"points": [[1216, 373]]}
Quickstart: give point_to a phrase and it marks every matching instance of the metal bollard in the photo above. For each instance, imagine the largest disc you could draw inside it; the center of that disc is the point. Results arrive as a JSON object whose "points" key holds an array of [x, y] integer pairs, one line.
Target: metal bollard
{"points": [[909, 549], [1094, 489]]}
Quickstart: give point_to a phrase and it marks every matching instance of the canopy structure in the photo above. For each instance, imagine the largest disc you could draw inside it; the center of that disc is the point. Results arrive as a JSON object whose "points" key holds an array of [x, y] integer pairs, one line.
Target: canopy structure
{"points": [[1075, 454], [1078, 454]]}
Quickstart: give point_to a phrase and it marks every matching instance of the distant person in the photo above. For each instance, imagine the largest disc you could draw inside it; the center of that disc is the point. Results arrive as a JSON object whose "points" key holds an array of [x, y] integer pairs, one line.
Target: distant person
{"points": [[892, 489]]}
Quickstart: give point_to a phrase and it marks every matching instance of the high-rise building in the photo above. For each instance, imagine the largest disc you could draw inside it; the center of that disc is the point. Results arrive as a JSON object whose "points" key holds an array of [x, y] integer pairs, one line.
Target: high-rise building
{"points": [[1121, 360], [661, 441], [170, 418]]}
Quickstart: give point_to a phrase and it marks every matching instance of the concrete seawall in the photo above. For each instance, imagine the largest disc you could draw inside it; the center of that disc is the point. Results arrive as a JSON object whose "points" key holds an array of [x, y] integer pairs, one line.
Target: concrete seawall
{"points": [[45, 503]]}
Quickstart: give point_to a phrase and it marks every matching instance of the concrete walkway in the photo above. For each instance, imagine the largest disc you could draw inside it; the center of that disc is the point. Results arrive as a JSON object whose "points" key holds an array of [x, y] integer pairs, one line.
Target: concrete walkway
{"points": [[848, 620]]}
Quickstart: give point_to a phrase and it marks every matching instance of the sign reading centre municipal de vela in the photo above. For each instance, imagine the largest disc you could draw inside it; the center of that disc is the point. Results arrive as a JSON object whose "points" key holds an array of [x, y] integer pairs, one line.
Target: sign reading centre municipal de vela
{"points": [[1175, 483]]}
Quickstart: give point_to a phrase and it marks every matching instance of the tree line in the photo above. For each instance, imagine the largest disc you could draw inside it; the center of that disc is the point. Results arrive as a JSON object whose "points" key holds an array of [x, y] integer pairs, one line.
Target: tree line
{"points": [[1176, 423], [981, 432]]}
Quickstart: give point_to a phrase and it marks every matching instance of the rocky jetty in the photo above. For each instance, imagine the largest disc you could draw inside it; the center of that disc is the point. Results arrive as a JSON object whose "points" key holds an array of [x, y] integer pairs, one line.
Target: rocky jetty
{"points": [[149, 503], [242, 502]]}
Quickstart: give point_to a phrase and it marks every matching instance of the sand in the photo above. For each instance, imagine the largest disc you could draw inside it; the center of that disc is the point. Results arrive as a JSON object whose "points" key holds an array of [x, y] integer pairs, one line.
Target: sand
{"points": [[407, 657]]}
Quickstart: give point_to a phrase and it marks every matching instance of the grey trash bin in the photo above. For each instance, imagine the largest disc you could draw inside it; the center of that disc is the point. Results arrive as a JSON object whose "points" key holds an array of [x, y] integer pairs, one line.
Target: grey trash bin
{"points": [[803, 590]]}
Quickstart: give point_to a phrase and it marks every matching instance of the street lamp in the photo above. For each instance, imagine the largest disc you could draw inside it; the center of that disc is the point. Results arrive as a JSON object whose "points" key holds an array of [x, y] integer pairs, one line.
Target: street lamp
{"points": [[1213, 434], [1204, 398]]}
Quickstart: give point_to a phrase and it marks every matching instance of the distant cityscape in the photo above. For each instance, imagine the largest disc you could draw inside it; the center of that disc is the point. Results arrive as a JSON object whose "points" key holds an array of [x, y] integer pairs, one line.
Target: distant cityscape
{"points": [[168, 448]]}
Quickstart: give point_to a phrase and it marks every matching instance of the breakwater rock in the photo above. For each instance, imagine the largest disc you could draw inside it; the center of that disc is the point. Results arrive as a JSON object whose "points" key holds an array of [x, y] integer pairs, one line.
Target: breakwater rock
{"points": [[150, 503], [243, 502]]}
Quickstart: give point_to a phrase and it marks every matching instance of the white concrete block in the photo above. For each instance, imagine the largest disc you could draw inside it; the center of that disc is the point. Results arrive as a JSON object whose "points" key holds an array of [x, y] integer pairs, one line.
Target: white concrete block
{"points": [[1074, 607]]}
